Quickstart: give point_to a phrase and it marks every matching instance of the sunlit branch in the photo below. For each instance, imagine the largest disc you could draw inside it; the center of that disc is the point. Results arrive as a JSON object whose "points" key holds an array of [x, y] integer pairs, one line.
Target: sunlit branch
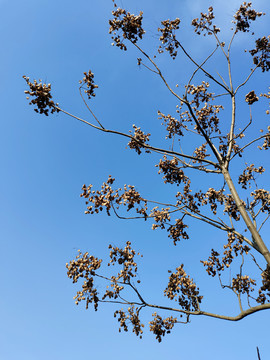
{"points": [[253, 257], [243, 83], [231, 134], [230, 44], [224, 82], [238, 317], [206, 72], [141, 217], [199, 67], [242, 132], [90, 109], [219, 43], [215, 96], [264, 222], [250, 143], [211, 145], [159, 72], [147, 67], [206, 219]]}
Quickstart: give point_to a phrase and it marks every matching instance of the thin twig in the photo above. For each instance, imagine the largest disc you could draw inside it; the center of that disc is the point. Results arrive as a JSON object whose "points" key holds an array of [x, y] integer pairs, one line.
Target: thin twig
{"points": [[146, 146]]}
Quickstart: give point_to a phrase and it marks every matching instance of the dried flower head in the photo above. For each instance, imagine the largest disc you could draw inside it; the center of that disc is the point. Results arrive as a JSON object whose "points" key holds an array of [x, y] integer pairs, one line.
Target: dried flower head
{"points": [[42, 97], [160, 326], [168, 38], [251, 97], [244, 16], [261, 54], [88, 80], [182, 288], [138, 140], [130, 26], [204, 24]]}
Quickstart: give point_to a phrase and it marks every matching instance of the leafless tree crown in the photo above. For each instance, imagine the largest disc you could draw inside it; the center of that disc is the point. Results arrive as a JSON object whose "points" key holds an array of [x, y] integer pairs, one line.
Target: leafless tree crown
{"points": [[227, 207]]}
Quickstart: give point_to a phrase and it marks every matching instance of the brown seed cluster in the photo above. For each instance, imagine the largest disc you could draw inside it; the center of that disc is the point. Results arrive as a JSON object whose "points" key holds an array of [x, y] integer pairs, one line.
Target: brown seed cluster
{"points": [[130, 26], [200, 153], [42, 97], [177, 232], [267, 95], [266, 143], [168, 38], [124, 257], [251, 97], [106, 197], [234, 247], [244, 16], [173, 126], [132, 317], [264, 291], [231, 208], [85, 266], [181, 288], [161, 217], [213, 197], [160, 326], [248, 175], [205, 112], [138, 140], [242, 284], [204, 24], [88, 80], [262, 198], [261, 54], [171, 171]]}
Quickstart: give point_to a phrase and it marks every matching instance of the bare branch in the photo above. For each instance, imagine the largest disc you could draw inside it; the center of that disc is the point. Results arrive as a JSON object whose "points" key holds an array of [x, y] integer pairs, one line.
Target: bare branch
{"points": [[146, 146], [243, 83]]}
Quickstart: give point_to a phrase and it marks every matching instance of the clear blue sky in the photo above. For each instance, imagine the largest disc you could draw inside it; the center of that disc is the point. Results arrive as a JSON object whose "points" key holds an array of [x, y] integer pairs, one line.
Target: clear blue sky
{"points": [[45, 161]]}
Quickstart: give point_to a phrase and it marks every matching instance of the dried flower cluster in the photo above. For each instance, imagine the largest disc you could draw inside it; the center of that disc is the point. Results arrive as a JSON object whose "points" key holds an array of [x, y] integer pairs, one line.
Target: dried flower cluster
{"points": [[105, 198], [267, 95], [176, 232], [244, 16], [266, 143], [171, 171], [88, 80], [161, 217], [234, 247], [138, 140], [42, 97], [262, 198], [85, 266], [160, 326], [132, 317], [261, 54], [264, 291], [174, 126], [248, 175], [182, 289], [206, 113], [168, 38], [130, 26], [251, 97], [124, 257], [242, 284], [200, 154], [204, 24]]}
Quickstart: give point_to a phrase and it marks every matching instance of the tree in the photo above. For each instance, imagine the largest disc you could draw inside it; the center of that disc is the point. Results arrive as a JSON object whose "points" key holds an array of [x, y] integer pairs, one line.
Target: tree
{"points": [[235, 204]]}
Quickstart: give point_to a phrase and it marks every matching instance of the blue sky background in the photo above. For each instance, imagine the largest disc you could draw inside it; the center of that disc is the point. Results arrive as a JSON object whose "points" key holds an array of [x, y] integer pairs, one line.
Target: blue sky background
{"points": [[45, 161]]}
